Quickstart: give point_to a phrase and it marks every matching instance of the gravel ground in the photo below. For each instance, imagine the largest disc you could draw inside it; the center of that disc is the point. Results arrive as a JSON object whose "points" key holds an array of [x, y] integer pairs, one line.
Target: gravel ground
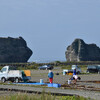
{"points": [[62, 79], [6, 93], [91, 94], [36, 75]]}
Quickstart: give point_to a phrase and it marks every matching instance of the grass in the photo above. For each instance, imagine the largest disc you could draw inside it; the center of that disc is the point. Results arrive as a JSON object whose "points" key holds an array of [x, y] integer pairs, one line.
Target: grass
{"points": [[66, 67], [43, 96], [83, 68]]}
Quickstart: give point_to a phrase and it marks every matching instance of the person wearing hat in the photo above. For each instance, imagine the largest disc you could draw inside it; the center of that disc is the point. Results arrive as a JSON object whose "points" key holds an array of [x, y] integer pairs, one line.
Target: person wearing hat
{"points": [[50, 75]]}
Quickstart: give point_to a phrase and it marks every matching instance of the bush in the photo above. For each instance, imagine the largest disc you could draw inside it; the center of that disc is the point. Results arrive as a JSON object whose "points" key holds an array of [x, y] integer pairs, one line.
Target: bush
{"points": [[34, 66]]}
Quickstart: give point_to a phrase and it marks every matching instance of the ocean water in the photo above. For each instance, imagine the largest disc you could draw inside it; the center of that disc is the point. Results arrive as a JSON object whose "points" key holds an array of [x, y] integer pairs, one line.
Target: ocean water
{"points": [[46, 61]]}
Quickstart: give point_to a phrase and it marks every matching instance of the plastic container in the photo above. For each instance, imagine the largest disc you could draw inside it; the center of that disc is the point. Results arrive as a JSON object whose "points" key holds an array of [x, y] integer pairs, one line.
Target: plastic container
{"points": [[27, 72], [70, 73], [41, 80], [54, 85], [69, 81], [64, 73]]}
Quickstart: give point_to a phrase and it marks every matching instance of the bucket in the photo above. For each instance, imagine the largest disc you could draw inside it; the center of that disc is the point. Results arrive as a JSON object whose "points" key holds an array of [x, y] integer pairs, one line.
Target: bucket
{"points": [[41, 80], [69, 81], [64, 73]]}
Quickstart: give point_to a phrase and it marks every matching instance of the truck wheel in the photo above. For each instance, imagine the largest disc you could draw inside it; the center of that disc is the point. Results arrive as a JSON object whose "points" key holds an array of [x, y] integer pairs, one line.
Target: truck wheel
{"points": [[99, 72], [16, 80], [87, 71], [12, 81], [3, 80]]}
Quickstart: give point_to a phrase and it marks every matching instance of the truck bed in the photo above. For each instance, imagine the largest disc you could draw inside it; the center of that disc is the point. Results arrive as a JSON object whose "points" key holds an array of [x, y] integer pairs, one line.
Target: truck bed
{"points": [[14, 73]]}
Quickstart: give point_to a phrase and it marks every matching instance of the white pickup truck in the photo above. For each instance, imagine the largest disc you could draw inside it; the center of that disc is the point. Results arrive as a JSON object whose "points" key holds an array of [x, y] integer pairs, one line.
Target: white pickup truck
{"points": [[7, 73]]}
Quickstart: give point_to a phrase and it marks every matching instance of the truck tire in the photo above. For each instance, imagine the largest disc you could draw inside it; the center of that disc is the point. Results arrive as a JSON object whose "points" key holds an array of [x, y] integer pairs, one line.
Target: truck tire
{"points": [[16, 80], [12, 81], [3, 80], [99, 72], [87, 71]]}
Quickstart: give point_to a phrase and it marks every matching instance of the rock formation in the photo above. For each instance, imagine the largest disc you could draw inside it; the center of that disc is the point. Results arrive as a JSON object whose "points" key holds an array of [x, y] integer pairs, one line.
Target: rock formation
{"points": [[14, 50], [80, 51]]}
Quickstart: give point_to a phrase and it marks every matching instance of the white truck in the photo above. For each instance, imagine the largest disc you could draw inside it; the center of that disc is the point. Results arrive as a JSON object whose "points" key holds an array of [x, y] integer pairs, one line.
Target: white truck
{"points": [[8, 73], [78, 70]]}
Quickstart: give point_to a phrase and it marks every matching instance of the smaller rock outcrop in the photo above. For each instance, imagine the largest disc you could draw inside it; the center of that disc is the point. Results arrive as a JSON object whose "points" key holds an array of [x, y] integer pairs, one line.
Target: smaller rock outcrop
{"points": [[80, 51], [14, 50]]}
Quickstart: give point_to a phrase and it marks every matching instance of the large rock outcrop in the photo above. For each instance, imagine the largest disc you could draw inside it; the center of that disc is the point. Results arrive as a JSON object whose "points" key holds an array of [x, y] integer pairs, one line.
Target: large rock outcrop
{"points": [[80, 51], [13, 50]]}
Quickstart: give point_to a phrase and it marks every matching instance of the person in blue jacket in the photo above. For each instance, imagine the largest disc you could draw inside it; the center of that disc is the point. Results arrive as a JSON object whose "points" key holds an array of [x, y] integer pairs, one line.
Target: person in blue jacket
{"points": [[50, 75], [74, 72], [75, 77]]}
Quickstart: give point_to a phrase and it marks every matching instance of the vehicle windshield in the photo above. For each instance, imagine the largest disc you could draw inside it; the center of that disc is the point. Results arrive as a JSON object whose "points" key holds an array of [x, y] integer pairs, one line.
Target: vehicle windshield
{"points": [[93, 67], [49, 65], [98, 67], [3, 69], [74, 66], [45, 66]]}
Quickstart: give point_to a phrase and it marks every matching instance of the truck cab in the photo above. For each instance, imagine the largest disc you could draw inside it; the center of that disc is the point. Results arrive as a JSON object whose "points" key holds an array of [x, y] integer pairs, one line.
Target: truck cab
{"points": [[3, 73]]}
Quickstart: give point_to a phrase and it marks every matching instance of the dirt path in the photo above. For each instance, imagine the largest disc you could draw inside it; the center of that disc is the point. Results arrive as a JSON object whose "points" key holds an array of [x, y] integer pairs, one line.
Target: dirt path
{"points": [[36, 75], [91, 94]]}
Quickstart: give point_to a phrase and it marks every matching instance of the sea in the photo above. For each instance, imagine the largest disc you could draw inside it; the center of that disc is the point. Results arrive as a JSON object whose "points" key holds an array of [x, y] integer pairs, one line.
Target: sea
{"points": [[46, 61]]}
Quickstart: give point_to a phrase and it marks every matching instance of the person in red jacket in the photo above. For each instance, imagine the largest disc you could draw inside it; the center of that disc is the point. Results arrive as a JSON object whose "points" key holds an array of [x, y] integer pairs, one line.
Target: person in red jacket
{"points": [[50, 75]]}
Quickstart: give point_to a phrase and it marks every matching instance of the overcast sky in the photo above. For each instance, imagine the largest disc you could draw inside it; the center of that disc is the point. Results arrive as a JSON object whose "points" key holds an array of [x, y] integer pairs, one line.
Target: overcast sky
{"points": [[49, 26]]}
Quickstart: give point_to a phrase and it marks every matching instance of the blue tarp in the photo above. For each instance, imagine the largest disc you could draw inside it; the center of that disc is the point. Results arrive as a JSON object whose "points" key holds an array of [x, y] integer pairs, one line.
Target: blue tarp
{"points": [[54, 85], [48, 84], [32, 83]]}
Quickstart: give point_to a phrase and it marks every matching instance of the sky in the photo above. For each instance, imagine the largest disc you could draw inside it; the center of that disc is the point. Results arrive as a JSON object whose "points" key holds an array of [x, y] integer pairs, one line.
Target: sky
{"points": [[50, 26]]}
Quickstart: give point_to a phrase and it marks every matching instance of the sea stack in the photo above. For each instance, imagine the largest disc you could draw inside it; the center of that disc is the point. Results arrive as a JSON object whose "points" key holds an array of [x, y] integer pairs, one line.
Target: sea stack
{"points": [[80, 51], [14, 50]]}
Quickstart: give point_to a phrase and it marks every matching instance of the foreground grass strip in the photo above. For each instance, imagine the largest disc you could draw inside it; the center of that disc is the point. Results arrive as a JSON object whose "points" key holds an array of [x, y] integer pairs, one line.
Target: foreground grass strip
{"points": [[43, 96]]}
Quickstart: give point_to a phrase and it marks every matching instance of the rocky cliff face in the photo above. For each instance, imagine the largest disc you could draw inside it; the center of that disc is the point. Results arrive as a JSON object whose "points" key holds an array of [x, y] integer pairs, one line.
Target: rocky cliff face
{"points": [[13, 50], [80, 51]]}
